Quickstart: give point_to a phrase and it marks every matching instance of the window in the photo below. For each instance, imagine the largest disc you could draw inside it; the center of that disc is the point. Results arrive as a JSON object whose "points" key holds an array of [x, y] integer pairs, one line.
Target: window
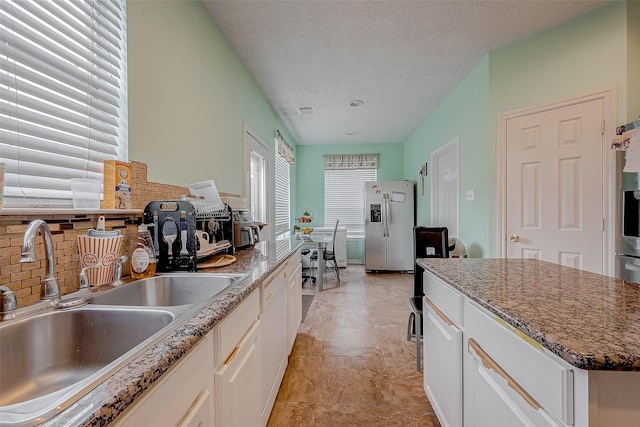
{"points": [[344, 179], [283, 159], [256, 157], [63, 108]]}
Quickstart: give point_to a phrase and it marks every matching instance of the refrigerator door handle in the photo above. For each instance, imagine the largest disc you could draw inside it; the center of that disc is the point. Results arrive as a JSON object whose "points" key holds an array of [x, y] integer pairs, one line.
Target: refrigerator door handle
{"points": [[386, 214]]}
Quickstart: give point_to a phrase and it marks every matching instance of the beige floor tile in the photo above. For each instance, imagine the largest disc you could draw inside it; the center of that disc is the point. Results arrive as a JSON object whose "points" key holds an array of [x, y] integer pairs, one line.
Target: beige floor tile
{"points": [[354, 380], [290, 414], [351, 364], [301, 380], [348, 415]]}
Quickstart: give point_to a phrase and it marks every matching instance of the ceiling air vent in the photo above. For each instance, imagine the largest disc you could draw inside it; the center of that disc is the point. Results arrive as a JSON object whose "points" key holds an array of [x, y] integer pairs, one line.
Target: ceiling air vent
{"points": [[306, 111]]}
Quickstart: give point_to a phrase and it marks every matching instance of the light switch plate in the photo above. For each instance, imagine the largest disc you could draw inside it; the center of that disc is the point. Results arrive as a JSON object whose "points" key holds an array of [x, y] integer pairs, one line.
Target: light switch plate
{"points": [[470, 195]]}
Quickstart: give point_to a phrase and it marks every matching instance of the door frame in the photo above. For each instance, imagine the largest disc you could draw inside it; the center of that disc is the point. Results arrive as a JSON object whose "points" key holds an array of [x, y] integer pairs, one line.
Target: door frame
{"points": [[247, 133], [453, 144], [609, 123]]}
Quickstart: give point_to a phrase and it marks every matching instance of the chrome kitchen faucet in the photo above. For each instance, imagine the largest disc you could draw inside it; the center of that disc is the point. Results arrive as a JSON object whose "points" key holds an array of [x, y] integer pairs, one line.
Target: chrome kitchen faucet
{"points": [[49, 289]]}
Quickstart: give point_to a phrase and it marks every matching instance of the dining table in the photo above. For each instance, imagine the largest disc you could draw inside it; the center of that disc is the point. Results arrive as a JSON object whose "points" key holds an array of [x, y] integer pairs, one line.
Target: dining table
{"points": [[318, 243]]}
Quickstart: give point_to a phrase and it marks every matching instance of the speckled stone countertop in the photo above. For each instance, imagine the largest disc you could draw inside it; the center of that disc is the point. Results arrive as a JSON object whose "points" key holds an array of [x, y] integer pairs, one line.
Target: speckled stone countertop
{"points": [[589, 320], [105, 402]]}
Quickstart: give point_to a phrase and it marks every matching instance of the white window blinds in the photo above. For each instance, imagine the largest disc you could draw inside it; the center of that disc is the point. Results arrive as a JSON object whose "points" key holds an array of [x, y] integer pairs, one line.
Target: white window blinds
{"points": [[283, 204], [63, 105], [344, 179], [284, 158]]}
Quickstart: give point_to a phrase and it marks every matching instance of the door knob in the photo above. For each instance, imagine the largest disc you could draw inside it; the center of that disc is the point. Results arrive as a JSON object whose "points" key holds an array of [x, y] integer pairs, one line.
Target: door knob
{"points": [[514, 238]]}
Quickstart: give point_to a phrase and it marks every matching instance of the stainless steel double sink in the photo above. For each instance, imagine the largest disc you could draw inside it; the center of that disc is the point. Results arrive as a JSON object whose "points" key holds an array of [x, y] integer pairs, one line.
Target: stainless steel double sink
{"points": [[50, 359]]}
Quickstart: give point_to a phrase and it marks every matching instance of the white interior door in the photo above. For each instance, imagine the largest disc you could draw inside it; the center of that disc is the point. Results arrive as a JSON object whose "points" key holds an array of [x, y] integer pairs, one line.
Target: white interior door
{"points": [[445, 189], [554, 185]]}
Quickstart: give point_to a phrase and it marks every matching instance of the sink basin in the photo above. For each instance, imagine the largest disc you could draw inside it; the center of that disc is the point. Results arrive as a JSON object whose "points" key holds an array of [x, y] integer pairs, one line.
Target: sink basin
{"points": [[167, 290], [49, 360], [43, 357]]}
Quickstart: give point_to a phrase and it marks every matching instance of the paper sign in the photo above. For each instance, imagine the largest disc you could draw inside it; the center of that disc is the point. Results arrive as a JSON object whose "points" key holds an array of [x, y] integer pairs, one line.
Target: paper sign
{"points": [[397, 196], [632, 158]]}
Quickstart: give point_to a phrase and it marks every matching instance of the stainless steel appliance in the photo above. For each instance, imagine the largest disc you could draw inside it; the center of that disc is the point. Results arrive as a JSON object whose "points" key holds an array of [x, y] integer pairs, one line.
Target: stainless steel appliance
{"points": [[628, 217], [246, 232], [389, 219]]}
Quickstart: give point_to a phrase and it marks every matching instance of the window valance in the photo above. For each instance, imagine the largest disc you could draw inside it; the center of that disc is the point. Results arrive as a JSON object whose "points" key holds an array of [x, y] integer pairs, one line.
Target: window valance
{"points": [[284, 149], [350, 161]]}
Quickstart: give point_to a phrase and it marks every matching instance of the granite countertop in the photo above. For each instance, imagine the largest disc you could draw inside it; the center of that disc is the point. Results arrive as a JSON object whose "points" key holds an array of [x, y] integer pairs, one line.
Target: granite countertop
{"points": [[105, 402], [589, 320]]}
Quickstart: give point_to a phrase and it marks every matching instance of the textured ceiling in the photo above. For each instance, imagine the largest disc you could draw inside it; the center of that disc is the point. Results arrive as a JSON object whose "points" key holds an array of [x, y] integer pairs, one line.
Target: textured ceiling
{"points": [[402, 58]]}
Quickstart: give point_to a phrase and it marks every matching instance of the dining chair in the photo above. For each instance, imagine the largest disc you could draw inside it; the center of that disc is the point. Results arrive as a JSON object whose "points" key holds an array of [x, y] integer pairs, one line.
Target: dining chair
{"points": [[329, 254], [428, 242], [305, 277]]}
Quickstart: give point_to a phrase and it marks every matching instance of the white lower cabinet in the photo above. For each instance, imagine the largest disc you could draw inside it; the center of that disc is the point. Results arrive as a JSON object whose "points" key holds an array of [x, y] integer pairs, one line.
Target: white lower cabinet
{"points": [[237, 383], [294, 304], [237, 345], [442, 364], [493, 398], [274, 347], [442, 332], [232, 377], [182, 397]]}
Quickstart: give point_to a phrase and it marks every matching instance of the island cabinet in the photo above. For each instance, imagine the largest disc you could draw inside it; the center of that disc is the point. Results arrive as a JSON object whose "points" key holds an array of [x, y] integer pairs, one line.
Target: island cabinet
{"points": [[182, 397], [237, 352], [442, 323], [511, 380], [480, 370]]}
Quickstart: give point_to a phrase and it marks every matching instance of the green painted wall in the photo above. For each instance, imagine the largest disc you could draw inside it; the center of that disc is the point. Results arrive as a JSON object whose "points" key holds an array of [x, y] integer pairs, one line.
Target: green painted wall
{"points": [[310, 164], [189, 96], [583, 56], [463, 114]]}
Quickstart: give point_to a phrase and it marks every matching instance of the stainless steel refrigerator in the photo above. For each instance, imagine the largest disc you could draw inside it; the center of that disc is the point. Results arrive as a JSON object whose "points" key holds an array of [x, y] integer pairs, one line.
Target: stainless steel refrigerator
{"points": [[389, 220]]}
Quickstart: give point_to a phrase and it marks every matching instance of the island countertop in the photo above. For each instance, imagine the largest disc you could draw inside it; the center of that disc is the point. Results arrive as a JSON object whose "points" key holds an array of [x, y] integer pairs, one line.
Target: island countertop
{"points": [[108, 399], [589, 320]]}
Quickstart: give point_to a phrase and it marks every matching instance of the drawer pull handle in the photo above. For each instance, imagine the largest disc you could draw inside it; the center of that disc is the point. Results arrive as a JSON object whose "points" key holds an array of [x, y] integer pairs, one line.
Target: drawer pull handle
{"points": [[195, 406], [632, 267], [232, 355], [440, 314], [491, 364]]}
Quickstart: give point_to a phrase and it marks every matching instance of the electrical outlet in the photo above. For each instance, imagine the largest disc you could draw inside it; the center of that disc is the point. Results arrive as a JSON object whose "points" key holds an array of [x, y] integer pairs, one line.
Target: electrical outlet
{"points": [[470, 195]]}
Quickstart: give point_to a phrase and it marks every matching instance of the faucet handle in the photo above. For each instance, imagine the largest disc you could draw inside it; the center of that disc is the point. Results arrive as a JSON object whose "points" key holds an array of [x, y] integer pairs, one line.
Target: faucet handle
{"points": [[117, 271], [84, 277], [7, 300]]}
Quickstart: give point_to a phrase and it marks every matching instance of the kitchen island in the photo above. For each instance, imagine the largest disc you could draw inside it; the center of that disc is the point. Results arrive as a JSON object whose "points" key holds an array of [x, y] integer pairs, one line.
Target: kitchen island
{"points": [[126, 387], [551, 345]]}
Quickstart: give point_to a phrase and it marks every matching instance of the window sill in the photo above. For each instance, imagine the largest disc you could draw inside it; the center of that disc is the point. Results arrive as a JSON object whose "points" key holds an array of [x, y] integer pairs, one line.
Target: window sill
{"points": [[66, 211]]}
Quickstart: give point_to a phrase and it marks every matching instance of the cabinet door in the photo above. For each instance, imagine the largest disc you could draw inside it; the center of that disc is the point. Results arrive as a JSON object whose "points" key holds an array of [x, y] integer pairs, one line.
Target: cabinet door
{"points": [[237, 384], [493, 398], [443, 365], [294, 305], [274, 341], [181, 397]]}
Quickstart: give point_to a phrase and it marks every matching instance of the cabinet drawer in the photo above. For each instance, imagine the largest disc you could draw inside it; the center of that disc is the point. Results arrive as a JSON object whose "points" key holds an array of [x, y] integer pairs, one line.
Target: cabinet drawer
{"points": [[292, 264], [449, 301], [233, 328], [548, 381]]}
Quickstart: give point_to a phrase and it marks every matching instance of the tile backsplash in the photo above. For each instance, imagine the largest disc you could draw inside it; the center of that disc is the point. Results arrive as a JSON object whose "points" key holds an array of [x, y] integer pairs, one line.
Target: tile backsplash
{"points": [[25, 279]]}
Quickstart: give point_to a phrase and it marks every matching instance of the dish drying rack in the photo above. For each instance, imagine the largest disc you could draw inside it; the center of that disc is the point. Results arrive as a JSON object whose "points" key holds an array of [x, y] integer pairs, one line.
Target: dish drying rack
{"points": [[205, 211]]}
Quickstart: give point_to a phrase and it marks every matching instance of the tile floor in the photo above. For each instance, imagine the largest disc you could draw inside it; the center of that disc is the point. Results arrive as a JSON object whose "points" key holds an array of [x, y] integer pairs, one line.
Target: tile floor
{"points": [[351, 364]]}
